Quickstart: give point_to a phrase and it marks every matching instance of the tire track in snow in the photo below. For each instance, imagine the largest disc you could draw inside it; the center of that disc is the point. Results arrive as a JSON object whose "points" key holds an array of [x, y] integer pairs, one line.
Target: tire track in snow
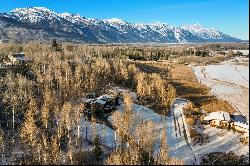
{"points": [[206, 76], [183, 148], [213, 84], [241, 75]]}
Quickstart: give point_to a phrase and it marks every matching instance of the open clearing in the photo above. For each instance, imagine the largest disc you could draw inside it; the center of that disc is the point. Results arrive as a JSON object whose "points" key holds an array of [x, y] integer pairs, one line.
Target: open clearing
{"points": [[229, 82]]}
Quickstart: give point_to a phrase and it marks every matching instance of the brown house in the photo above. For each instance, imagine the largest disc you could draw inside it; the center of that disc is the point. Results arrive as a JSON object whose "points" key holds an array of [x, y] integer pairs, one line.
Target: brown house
{"points": [[218, 119]]}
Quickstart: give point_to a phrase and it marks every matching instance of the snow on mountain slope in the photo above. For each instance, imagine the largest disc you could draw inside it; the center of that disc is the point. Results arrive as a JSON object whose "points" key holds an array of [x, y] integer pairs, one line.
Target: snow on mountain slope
{"points": [[73, 27], [115, 21], [202, 31], [34, 14], [74, 18]]}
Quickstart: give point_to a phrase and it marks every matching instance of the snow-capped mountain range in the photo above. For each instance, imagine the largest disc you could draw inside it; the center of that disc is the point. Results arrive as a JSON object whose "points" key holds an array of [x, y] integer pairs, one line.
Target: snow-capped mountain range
{"points": [[39, 23]]}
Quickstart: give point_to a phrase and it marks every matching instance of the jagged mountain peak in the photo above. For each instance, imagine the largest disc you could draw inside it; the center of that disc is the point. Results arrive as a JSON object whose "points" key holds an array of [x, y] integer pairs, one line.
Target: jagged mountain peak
{"points": [[29, 10], [204, 32], [67, 15], [116, 21], [74, 27], [197, 27], [34, 14]]}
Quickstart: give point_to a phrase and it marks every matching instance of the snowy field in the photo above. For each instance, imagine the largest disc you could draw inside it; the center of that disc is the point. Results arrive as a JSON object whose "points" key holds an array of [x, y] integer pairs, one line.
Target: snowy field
{"points": [[221, 140], [227, 81]]}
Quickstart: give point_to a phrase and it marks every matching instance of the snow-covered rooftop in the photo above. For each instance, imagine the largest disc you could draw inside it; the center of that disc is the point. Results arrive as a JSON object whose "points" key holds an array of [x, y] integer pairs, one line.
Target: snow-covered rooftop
{"points": [[21, 54], [242, 125], [104, 97], [100, 101], [87, 100], [239, 118], [218, 116]]}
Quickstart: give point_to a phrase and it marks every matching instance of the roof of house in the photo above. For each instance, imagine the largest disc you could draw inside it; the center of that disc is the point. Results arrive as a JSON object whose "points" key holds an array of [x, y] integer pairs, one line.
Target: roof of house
{"points": [[242, 125], [19, 56], [87, 100], [238, 118], [100, 101], [220, 115], [104, 97]]}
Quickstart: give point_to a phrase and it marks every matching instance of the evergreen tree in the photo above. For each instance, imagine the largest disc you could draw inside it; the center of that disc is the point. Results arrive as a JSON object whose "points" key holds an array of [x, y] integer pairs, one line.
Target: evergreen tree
{"points": [[97, 147]]}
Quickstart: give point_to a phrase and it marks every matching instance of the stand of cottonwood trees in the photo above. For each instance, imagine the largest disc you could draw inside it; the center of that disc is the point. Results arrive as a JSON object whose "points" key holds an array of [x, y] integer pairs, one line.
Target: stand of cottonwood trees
{"points": [[39, 115]]}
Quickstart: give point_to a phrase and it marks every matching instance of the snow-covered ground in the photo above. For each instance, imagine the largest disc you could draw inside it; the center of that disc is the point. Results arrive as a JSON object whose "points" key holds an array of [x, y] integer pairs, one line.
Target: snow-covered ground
{"points": [[179, 144], [245, 52], [221, 140], [179, 141], [178, 138], [227, 81]]}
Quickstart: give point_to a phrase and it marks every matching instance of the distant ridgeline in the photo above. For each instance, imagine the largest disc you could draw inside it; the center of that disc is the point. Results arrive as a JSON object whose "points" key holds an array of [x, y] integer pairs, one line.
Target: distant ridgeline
{"points": [[42, 24]]}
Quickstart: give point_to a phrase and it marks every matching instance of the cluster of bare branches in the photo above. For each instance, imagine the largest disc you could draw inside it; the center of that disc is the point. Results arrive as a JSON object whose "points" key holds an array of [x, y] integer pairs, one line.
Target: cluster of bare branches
{"points": [[39, 115], [137, 141]]}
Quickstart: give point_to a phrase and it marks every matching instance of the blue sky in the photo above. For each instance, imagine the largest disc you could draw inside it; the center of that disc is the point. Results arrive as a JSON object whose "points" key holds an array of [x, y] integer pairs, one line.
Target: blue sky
{"points": [[228, 16]]}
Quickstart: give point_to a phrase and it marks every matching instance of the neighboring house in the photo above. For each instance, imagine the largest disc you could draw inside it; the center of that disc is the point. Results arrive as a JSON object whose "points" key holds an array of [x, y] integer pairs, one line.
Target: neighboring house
{"points": [[16, 58], [191, 49], [220, 119], [4, 41], [102, 103], [212, 53], [105, 102], [221, 52], [239, 123]]}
